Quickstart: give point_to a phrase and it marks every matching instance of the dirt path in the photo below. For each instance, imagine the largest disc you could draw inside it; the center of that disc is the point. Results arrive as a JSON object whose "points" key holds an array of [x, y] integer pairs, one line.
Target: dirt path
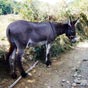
{"points": [[69, 70]]}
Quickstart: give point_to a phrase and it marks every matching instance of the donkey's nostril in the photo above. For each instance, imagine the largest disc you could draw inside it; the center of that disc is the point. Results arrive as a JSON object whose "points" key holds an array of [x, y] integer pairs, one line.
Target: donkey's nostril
{"points": [[71, 37]]}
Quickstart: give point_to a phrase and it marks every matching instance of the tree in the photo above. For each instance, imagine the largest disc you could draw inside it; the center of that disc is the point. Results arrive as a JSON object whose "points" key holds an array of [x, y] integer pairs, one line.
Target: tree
{"points": [[5, 7]]}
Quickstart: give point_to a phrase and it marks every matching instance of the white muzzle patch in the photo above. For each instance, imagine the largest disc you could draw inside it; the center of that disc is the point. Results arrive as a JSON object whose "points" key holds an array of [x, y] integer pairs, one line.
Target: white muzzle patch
{"points": [[75, 39]]}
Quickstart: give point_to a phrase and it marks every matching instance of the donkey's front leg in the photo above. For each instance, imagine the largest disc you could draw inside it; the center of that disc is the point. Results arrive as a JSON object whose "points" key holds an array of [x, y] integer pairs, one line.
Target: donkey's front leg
{"points": [[48, 62], [19, 62]]}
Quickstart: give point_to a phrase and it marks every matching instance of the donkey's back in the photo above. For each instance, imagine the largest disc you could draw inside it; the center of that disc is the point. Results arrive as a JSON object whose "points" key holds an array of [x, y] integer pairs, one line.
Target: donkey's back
{"points": [[22, 31]]}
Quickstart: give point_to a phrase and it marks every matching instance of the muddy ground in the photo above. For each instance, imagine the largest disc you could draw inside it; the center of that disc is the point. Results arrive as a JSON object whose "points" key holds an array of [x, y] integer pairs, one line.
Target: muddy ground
{"points": [[68, 70]]}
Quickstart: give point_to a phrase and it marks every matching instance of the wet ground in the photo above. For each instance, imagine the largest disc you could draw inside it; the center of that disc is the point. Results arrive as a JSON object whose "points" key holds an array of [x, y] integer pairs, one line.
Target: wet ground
{"points": [[68, 70]]}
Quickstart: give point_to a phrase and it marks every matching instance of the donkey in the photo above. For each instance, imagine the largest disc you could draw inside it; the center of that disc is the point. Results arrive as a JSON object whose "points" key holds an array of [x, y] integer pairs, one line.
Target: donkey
{"points": [[22, 34]]}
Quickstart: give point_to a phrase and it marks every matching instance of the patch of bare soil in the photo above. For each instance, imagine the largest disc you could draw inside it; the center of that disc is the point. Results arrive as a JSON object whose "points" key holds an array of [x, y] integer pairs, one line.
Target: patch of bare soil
{"points": [[69, 70]]}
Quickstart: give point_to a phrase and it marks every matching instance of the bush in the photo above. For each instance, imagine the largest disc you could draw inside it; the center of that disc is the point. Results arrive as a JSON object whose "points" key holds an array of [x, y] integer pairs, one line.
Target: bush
{"points": [[35, 11]]}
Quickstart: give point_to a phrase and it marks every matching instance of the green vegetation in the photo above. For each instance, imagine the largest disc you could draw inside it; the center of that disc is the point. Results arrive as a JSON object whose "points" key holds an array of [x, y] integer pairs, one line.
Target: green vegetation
{"points": [[8, 7], [35, 10]]}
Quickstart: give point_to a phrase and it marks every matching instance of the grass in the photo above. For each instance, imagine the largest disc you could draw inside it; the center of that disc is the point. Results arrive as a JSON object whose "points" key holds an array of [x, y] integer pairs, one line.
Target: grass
{"points": [[5, 20]]}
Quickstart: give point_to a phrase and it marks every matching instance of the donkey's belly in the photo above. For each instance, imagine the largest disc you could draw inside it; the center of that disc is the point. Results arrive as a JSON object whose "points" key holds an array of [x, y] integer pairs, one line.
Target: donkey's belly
{"points": [[32, 43]]}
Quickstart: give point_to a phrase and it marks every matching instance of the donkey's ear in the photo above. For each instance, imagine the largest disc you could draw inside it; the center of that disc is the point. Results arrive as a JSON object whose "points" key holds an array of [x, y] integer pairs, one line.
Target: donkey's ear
{"points": [[69, 22], [75, 21]]}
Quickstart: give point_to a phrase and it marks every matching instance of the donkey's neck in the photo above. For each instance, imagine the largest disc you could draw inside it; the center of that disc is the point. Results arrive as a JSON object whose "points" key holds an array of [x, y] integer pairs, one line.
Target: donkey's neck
{"points": [[60, 28]]}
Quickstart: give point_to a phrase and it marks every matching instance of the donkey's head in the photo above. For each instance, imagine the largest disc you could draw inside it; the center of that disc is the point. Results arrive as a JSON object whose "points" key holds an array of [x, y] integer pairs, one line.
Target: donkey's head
{"points": [[70, 31]]}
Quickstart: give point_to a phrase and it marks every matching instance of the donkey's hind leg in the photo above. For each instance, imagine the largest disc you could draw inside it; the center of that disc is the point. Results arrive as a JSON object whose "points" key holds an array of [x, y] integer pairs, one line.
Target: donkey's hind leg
{"points": [[8, 55], [12, 64], [20, 53]]}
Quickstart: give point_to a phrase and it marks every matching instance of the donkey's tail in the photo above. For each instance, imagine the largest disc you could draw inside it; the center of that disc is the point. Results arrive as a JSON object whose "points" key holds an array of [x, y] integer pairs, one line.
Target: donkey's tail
{"points": [[11, 44], [8, 34], [10, 37]]}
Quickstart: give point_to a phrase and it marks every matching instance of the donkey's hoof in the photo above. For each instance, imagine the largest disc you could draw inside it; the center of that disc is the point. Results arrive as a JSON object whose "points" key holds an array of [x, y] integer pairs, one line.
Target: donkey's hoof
{"points": [[48, 63], [14, 75], [23, 74]]}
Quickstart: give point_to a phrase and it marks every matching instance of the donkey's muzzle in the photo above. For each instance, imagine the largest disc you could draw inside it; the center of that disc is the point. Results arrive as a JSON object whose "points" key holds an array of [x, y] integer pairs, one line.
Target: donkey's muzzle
{"points": [[74, 39]]}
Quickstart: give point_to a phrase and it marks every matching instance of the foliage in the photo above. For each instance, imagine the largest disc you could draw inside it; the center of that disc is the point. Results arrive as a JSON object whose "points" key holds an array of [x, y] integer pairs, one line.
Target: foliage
{"points": [[34, 10], [83, 26], [8, 7], [5, 7]]}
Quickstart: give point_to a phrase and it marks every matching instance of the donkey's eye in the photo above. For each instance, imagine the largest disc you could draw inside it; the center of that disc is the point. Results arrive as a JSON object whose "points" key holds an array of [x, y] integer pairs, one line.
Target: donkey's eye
{"points": [[72, 31]]}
